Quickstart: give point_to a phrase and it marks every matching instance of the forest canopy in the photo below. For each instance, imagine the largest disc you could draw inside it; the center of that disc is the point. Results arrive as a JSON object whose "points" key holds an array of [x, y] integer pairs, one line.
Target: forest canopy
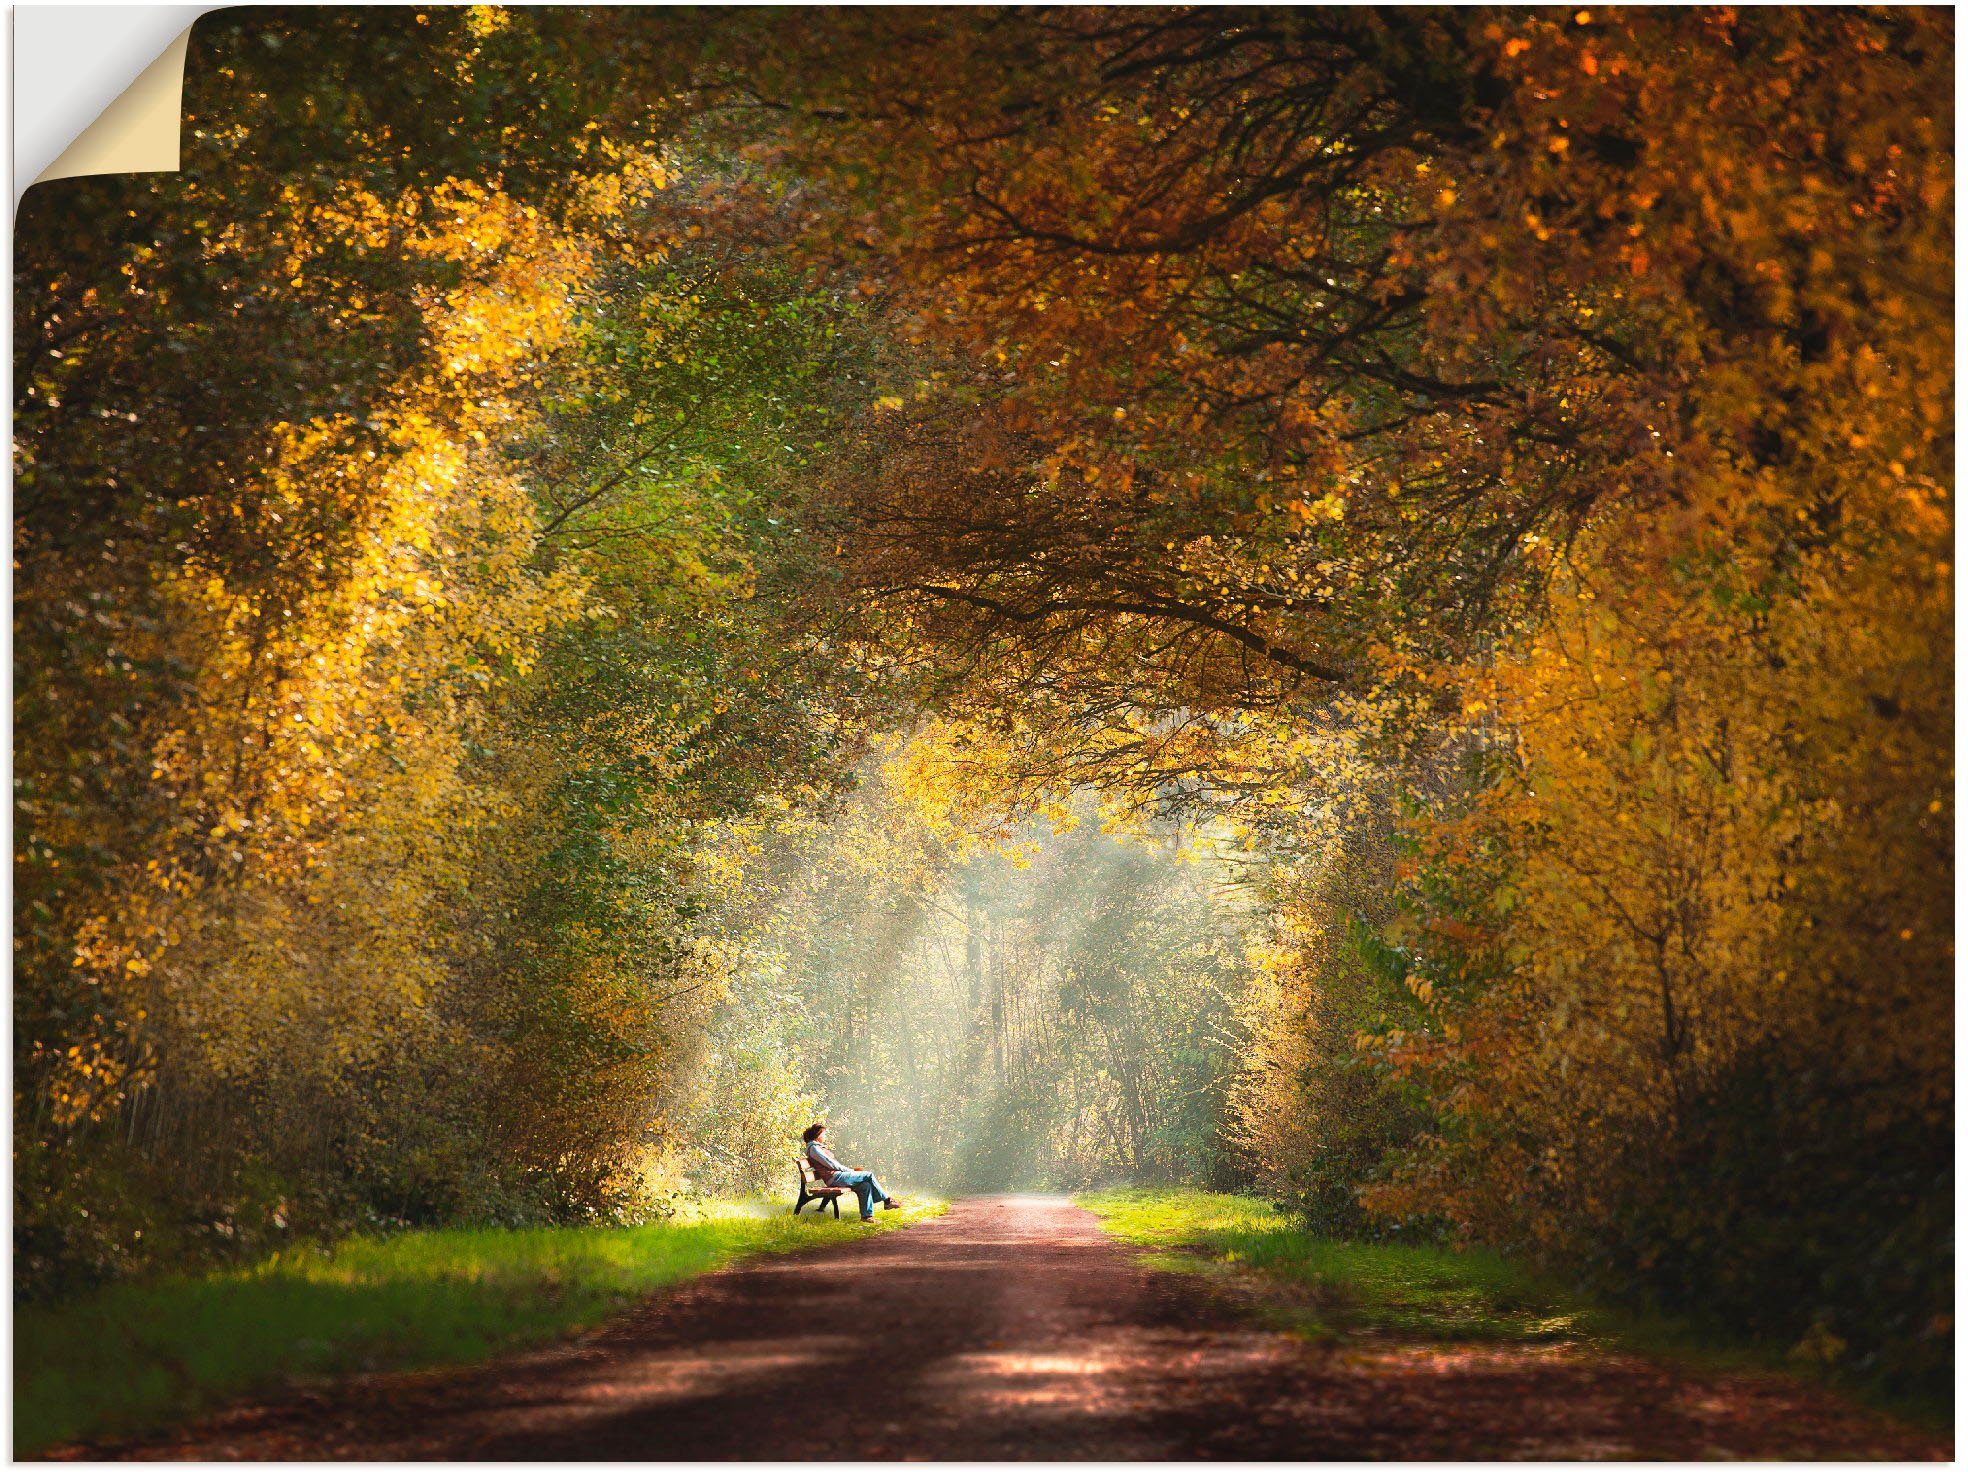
{"points": [[1355, 602]]}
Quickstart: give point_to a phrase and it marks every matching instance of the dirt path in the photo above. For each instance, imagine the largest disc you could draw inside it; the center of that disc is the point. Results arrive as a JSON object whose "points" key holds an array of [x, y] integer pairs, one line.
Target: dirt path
{"points": [[1011, 1328]]}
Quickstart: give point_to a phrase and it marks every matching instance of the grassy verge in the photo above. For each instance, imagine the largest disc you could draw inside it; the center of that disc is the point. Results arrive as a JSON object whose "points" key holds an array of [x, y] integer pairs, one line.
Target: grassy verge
{"points": [[1333, 1288], [1327, 1289], [134, 1356]]}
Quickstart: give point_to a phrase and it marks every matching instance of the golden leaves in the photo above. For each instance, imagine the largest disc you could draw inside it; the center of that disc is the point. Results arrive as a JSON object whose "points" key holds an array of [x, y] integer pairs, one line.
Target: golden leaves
{"points": [[320, 791]]}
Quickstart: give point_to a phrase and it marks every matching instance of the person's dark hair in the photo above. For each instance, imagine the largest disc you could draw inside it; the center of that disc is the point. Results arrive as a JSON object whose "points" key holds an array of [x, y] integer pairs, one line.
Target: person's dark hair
{"points": [[812, 1133]]}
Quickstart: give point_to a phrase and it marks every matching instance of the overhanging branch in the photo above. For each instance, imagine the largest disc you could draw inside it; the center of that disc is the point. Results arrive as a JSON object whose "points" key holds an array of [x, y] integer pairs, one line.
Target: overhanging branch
{"points": [[1160, 608]]}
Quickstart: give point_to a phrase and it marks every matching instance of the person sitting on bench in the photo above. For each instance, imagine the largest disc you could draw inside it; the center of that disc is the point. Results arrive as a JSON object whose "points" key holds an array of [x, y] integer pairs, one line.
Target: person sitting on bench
{"points": [[830, 1172]]}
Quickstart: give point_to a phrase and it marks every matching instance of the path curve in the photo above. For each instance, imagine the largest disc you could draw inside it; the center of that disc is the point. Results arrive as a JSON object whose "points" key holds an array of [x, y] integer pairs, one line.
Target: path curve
{"points": [[1012, 1328]]}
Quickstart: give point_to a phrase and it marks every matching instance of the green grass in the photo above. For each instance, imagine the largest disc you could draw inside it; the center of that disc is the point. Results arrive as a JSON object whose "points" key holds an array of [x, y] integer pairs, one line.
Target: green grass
{"points": [[134, 1356], [1327, 1288]]}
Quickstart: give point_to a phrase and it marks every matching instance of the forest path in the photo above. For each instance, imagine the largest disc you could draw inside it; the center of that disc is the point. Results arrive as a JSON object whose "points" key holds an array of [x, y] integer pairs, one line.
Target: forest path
{"points": [[1012, 1328]]}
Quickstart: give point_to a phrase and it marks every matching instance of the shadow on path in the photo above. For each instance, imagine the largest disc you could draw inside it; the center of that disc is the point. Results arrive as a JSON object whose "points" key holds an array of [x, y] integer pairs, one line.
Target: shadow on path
{"points": [[1012, 1328]]}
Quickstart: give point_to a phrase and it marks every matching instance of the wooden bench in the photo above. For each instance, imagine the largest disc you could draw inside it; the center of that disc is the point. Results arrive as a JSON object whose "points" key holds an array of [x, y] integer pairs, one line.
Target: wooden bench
{"points": [[810, 1189]]}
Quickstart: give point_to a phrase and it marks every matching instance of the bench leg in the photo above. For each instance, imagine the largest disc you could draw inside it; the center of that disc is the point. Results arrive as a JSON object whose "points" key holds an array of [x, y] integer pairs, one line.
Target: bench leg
{"points": [[804, 1198], [837, 1207]]}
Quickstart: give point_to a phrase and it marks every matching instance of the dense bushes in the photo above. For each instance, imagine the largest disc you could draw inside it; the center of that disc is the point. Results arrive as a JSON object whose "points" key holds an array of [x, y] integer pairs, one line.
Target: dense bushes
{"points": [[1803, 1207]]}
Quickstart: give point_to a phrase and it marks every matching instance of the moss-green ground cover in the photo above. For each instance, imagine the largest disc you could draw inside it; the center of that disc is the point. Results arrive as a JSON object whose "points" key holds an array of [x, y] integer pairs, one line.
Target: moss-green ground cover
{"points": [[134, 1356]]}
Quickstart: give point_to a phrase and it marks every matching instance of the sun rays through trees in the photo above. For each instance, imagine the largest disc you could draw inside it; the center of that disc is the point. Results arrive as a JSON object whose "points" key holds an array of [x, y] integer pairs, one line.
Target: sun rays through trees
{"points": [[1351, 602]]}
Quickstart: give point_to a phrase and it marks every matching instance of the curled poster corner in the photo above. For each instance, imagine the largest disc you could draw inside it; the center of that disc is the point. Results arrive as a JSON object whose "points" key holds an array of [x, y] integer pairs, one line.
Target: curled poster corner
{"points": [[138, 132], [93, 93]]}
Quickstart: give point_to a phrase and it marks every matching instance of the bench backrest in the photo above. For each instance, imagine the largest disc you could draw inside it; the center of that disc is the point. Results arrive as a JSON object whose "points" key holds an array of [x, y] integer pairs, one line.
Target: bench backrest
{"points": [[809, 1177]]}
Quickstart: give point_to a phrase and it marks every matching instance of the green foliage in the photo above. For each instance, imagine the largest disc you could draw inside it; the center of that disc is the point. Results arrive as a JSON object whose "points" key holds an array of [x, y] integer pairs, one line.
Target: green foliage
{"points": [[1803, 1214], [736, 1122], [1317, 1111], [134, 1356]]}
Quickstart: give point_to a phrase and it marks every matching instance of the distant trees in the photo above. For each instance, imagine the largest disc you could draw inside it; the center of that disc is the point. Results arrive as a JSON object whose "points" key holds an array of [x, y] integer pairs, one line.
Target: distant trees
{"points": [[1055, 1009], [1493, 464]]}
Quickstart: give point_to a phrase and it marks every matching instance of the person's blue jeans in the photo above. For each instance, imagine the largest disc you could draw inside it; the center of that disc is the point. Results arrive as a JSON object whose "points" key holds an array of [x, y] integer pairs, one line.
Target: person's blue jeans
{"points": [[865, 1186]]}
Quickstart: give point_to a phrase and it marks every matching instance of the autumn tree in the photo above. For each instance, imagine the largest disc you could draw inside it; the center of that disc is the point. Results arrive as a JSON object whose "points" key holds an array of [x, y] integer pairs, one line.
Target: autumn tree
{"points": [[1491, 467], [358, 761], [1545, 386]]}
